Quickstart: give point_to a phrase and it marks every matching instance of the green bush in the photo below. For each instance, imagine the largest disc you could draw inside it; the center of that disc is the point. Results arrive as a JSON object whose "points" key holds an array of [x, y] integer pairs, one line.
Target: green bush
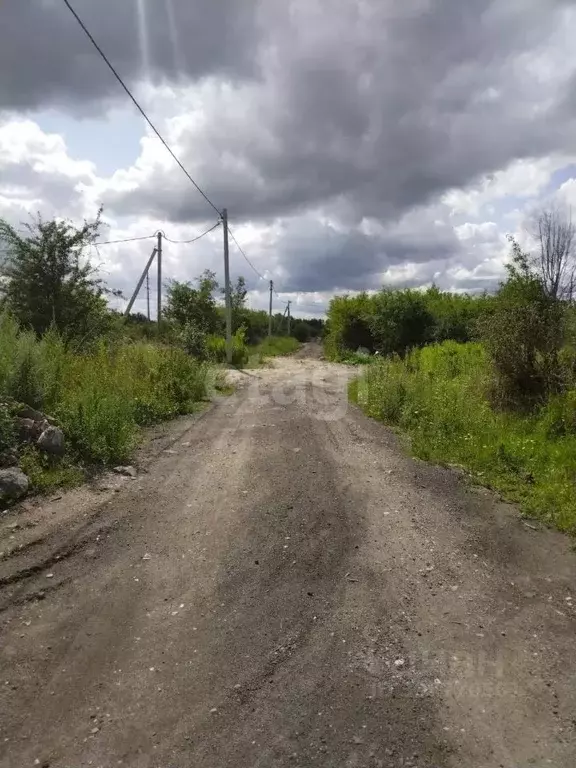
{"points": [[193, 339], [524, 334], [440, 397], [100, 398], [7, 431], [358, 358], [23, 383], [45, 475], [348, 326], [301, 331], [216, 349], [395, 321]]}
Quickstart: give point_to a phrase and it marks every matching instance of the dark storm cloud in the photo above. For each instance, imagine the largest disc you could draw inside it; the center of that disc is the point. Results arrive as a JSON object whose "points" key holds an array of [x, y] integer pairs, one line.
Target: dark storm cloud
{"points": [[318, 257], [381, 104], [46, 60], [361, 110]]}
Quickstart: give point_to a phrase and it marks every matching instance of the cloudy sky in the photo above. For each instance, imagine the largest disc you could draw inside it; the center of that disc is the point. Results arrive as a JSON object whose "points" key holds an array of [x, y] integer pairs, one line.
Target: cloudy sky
{"points": [[355, 143]]}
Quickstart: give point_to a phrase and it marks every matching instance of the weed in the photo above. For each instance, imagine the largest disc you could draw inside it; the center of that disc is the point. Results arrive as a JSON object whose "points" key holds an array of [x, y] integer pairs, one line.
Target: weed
{"points": [[101, 398], [273, 346], [45, 475], [439, 396]]}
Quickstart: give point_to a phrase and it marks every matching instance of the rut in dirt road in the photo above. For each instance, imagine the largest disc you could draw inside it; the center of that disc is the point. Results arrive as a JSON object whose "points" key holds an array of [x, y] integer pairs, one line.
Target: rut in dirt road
{"points": [[283, 586]]}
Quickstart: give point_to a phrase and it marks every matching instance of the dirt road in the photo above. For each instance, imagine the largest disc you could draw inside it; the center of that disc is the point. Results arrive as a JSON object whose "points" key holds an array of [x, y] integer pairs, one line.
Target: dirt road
{"points": [[282, 586]]}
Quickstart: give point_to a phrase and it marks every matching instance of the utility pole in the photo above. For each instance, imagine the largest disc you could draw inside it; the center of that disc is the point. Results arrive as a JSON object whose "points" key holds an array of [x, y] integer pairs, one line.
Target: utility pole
{"points": [[270, 312], [140, 281], [227, 289], [148, 294], [159, 254], [289, 318]]}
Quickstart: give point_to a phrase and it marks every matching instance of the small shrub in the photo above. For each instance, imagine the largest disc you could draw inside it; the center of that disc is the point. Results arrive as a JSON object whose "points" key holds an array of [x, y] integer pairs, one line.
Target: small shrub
{"points": [[439, 396], [7, 430], [558, 416], [216, 346], [523, 335], [45, 475], [100, 425], [193, 340], [276, 346], [24, 382]]}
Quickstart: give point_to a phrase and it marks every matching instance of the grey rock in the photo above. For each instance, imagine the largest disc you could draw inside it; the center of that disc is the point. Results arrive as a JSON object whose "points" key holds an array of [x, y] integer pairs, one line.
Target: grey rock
{"points": [[27, 430], [9, 458], [52, 441], [128, 471], [13, 483], [30, 413]]}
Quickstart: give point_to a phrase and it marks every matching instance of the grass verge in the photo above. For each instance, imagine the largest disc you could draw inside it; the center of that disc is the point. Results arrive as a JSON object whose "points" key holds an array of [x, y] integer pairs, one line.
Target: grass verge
{"points": [[438, 397], [100, 398], [274, 346]]}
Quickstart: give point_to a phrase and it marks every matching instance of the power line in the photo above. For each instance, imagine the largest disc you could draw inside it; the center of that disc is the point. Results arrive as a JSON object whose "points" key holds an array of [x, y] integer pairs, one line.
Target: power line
{"points": [[137, 105], [194, 239], [167, 147], [250, 263], [126, 240], [164, 235], [280, 297], [243, 254]]}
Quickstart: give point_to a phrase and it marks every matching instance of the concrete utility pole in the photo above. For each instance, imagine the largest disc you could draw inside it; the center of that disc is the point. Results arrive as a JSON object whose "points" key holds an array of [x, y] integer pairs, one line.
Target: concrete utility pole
{"points": [[270, 311], [148, 295], [227, 289], [289, 318], [159, 249], [142, 277]]}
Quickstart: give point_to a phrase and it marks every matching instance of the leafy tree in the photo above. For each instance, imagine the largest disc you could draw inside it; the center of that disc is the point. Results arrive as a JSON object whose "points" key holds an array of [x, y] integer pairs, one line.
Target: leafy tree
{"points": [[349, 324], [240, 314], [524, 334], [401, 321], [255, 325], [456, 316], [46, 280], [196, 306], [301, 331], [238, 300]]}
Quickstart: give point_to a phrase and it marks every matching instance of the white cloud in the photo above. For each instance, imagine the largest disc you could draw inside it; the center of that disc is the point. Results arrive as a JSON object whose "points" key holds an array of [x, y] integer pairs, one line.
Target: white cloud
{"points": [[524, 179]]}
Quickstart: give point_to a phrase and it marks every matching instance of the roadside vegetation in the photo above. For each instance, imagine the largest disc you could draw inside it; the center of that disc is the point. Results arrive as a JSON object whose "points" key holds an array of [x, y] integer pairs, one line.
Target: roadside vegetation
{"points": [[487, 383], [78, 381]]}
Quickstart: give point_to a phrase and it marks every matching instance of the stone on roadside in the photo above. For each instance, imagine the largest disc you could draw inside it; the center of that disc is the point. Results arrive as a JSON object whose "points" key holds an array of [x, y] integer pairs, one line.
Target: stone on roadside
{"points": [[26, 429], [128, 471], [13, 483], [30, 413], [52, 441], [9, 458]]}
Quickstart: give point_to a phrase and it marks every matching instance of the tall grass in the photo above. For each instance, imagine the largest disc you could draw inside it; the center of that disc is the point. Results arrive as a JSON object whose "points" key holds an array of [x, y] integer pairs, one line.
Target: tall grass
{"points": [[439, 397], [274, 346], [216, 349], [102, 397]]}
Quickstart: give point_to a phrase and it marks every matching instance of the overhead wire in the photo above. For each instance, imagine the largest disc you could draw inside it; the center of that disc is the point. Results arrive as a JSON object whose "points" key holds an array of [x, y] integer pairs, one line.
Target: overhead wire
{"points": [[244, 255], [126, 240], [194, 239], [164, 235], [243, 252], [137, 105], [167, 147]]}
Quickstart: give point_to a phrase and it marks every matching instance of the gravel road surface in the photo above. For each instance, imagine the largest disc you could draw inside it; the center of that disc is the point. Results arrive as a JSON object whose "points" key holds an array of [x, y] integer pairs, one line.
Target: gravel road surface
{"points": [[281, 585]]}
